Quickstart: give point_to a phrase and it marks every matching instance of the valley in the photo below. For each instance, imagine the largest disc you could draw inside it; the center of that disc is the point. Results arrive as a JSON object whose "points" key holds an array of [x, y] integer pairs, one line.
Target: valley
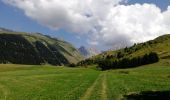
{"points": [[84, 49], [34, 66], [46, 82]]}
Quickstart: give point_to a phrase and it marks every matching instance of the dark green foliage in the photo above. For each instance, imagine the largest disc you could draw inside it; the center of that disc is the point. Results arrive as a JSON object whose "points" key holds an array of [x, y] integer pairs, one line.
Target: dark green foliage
{"points": [[120, 55], [72, 65], [159, 45], [128, 63], [50, 54], [58, 56], [16, 49], [86, 62]]}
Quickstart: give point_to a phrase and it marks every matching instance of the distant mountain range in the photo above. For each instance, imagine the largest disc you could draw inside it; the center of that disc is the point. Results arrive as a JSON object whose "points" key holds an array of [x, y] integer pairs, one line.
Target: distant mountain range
{"points": [[88, 52], [7, 30], [27, 48]]}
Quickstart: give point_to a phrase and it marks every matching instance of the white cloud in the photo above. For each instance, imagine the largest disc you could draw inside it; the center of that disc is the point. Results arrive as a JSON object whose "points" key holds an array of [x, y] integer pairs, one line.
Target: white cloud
{"points": [[105, 22], [126, 25], [79, 16]]}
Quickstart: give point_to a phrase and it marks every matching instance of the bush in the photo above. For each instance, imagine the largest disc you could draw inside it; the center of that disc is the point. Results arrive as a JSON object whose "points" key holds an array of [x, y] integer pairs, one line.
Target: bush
{"points": [[72, 65]]}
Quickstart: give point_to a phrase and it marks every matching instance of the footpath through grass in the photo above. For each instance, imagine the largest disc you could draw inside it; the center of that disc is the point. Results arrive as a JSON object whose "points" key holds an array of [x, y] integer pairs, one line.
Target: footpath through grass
{"points": [[47, 83], [21, 82]]}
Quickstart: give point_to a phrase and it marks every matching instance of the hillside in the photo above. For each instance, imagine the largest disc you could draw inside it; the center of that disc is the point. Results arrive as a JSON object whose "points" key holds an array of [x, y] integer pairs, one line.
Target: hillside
{"points": [[160, 45], [134, 56], [27, 48]]}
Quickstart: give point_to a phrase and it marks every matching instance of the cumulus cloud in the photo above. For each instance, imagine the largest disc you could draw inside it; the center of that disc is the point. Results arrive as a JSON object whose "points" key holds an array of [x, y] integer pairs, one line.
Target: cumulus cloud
{"points": [[125, 25], [105, 22]]}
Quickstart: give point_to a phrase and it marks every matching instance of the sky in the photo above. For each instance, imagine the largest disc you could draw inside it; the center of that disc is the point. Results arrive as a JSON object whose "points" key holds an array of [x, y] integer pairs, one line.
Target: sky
{"points": [[103, 24]]}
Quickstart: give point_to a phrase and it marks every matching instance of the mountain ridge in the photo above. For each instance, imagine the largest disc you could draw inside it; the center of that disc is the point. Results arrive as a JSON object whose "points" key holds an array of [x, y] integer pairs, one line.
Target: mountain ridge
{"points": [[159, 45], [26, 48], [87, 52]]}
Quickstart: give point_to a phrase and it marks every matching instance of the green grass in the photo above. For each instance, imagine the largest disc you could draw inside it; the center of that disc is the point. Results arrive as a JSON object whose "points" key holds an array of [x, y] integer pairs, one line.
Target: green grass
{"points": [[160, 45], [29, 82], [153, 78]]}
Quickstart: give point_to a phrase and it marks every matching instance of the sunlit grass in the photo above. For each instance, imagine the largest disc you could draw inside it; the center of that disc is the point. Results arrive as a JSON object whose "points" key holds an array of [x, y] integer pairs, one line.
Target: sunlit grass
{"points": [[23, 82]]}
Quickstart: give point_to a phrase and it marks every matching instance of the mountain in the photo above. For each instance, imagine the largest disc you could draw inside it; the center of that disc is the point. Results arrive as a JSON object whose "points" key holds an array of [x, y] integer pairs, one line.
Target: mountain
{"points": [[4, 29], [93, 51], [160, 46], [88, 52], [83, 51], [29, 48]]}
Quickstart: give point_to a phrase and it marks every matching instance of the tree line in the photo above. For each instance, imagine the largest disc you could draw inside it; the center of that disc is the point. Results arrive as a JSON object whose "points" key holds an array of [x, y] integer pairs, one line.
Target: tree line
{"points": [[150, 58]]}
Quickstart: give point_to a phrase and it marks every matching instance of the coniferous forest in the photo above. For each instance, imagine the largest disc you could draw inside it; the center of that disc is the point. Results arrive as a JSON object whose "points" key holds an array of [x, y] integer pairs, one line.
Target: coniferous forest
{"points": [[150, 58]]}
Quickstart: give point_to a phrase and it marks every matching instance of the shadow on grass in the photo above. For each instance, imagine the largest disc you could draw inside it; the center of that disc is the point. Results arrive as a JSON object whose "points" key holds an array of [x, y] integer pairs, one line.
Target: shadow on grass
{"points": [[149, 95], [168, 76], [124, 72]]}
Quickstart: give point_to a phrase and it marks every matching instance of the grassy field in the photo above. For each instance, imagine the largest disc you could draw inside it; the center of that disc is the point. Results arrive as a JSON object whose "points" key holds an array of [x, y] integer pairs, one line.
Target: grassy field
{"points": [[23, 82]]}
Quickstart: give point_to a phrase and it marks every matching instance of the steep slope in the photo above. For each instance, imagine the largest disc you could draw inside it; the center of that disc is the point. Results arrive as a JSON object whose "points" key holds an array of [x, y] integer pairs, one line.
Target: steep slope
{"points": [[7, 30], [26, 48], [84, 51], [93, 51], [160, 45], [88, 52]]}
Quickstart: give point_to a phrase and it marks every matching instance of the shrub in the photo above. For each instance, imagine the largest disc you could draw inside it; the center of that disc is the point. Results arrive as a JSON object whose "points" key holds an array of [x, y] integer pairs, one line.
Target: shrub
{"points": [[72, 65]]}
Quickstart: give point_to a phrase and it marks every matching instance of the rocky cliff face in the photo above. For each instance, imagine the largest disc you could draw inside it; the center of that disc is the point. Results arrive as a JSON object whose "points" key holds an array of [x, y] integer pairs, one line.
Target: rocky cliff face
{"points": [[88, 52]]}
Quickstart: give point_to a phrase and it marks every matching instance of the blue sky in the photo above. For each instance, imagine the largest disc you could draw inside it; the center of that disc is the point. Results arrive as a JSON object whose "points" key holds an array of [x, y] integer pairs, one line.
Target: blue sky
{"points": [[13, 18], [163, 4]]}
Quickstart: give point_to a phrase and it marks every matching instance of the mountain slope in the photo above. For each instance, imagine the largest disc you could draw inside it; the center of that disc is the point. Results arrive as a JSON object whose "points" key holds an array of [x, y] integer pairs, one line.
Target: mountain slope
{"points": [[87, 52], [160, 45], [26, 48], [84, 51], [6, 30]]}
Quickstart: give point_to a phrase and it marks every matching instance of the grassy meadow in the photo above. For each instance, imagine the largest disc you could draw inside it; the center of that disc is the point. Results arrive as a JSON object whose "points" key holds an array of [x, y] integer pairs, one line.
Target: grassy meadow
{"points": [[30, 82]]}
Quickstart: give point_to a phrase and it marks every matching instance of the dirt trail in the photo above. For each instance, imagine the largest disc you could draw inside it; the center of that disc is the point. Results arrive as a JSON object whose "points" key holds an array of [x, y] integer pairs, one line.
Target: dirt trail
{"points": [[101, 78], [5, 91], [104, 88], [88, 93]]}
